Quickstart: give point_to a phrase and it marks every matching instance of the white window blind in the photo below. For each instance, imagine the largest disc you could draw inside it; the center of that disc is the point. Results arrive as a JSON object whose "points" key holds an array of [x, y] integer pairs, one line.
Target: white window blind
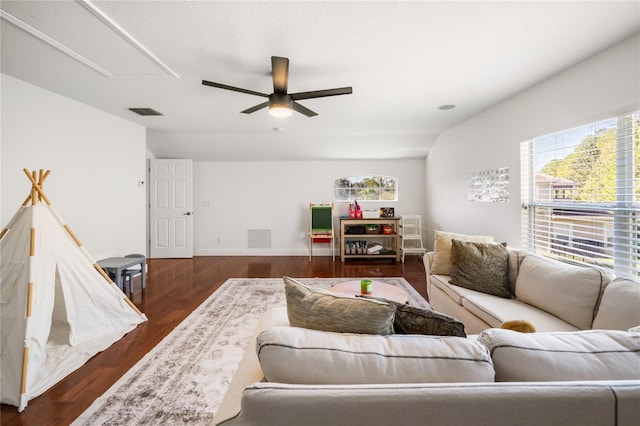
{"points": [[581, 194]]}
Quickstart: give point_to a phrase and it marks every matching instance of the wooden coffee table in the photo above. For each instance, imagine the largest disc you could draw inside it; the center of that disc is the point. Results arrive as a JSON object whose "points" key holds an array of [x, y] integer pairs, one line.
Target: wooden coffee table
{"points": [[378, 289]]}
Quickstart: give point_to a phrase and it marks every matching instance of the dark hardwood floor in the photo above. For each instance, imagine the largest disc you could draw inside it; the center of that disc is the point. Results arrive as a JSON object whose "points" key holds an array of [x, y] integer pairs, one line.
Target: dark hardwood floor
{"points": [[175, 287]]}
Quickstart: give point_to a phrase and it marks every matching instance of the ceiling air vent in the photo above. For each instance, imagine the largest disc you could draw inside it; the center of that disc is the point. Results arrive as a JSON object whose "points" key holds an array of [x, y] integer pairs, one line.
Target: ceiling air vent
{"points": [[145, 111]]}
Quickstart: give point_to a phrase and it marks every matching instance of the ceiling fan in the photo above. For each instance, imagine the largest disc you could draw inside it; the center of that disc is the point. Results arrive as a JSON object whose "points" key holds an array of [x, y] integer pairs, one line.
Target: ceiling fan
{"points": [[280, 102]]}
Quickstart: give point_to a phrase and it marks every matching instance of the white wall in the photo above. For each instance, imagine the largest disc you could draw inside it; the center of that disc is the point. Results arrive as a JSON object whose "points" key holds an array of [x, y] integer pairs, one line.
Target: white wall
{"points": [[276, 196], [600, 87], [96, 160]]}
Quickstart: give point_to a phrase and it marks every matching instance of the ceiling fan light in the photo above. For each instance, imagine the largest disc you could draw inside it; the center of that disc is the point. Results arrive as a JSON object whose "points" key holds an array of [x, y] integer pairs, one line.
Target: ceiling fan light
{"points": [[280, 110]]}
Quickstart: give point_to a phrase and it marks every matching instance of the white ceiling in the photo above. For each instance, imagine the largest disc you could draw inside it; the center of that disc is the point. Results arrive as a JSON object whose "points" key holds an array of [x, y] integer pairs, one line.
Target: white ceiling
{"points": [[403, 60]]}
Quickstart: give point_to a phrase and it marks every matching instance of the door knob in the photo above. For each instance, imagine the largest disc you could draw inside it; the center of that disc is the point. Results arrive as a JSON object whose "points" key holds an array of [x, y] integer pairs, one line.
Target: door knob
{"points": [[187, 213]]}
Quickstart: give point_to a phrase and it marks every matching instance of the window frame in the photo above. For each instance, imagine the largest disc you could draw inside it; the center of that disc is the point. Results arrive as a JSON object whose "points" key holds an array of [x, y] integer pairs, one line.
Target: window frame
{"points": [[610, 230], [359, 188]]}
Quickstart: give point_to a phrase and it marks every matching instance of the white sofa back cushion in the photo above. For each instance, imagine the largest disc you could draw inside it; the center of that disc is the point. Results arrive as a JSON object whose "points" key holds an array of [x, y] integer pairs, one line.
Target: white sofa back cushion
{"points": [[566, 291], [303, 356], [580, 355], [620, 306]]}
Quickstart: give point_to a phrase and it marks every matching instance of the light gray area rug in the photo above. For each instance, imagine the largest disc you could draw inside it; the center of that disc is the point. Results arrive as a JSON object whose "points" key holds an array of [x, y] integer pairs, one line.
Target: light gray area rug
{"points": [[184, 378]]}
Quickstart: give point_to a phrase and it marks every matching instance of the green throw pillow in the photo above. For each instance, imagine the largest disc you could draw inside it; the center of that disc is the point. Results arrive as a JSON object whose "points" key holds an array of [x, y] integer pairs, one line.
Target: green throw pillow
{"points": [[481, 266], [319, 309]]}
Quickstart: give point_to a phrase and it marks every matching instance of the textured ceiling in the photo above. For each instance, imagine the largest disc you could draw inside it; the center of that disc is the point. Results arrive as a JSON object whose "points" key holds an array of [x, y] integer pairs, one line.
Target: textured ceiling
{"points": [[403, 60]]}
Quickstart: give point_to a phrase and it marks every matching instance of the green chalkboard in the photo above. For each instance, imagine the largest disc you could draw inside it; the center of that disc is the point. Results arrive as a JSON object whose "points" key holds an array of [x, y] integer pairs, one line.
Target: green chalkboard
{"points": [[321, 218]]}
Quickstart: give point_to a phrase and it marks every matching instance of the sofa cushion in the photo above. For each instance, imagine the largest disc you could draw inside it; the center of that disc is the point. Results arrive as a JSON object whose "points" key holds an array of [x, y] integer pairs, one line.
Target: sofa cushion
{"points": [[322, 310], [341, 358], [480, 266], [620, 306], [566, 291], [580, 355], [413, 320], [442, 249], [457, 294], [496, 310]]}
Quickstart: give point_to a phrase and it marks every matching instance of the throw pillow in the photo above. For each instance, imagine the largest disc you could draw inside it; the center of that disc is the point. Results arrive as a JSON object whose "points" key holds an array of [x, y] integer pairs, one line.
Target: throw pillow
{"points": [[322, 310], [560, 356], [341, 358], [412, 320], [521, 326], [481, 267], [442, 249]]}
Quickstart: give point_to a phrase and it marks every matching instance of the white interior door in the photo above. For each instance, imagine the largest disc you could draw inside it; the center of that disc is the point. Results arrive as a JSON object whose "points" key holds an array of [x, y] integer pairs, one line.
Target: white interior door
{"points": [[171, 208]]}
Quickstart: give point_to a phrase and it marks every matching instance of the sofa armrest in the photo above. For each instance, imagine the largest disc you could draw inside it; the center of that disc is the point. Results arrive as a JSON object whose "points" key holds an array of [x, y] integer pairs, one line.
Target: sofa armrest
{"points": [[428, 261], [249, 370]]}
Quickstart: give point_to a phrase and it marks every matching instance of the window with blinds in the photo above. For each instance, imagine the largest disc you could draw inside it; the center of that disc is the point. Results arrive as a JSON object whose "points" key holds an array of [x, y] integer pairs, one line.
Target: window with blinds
{"points": [[581, 194]]}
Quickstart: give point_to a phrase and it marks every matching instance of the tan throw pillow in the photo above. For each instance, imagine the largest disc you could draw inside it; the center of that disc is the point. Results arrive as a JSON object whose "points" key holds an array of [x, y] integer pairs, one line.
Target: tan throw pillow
{"points": [[481, 267], [442, 248], [319, 309]]}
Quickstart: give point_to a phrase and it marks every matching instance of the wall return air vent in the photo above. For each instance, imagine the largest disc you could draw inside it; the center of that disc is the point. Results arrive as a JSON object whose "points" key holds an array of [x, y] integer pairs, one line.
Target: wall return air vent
{"points": [[259, 238]]}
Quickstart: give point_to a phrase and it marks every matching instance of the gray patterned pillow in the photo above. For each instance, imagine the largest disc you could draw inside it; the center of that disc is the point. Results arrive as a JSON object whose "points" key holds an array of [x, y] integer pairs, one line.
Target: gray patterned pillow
{"points": [[319, 309], [480, 266], [412, 320]]}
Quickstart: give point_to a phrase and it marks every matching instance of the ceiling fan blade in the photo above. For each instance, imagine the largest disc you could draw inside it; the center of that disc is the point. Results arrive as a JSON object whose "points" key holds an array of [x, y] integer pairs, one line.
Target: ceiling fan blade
{"points": [[255, 108], [235, 89], [321, 93], [303, 110], [280, 72]]}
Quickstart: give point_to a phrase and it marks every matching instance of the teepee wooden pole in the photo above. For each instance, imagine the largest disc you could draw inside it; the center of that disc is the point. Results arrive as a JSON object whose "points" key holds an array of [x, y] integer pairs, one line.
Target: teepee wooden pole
{"points": [[72, 235], [34, 193], [37, 187], [27, 201], [134, 307], [32, 242], [102, 272], [40, 182], [25, 369]]}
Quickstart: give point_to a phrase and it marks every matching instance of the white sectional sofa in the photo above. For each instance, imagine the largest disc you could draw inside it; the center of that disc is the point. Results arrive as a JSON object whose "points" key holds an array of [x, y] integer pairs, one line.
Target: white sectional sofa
{"points": [[298, 376], [552, 295]]}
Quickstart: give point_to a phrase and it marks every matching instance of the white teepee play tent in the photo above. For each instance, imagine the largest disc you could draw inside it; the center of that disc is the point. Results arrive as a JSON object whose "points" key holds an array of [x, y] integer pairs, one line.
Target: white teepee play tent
{"points": [[58, 307]]}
